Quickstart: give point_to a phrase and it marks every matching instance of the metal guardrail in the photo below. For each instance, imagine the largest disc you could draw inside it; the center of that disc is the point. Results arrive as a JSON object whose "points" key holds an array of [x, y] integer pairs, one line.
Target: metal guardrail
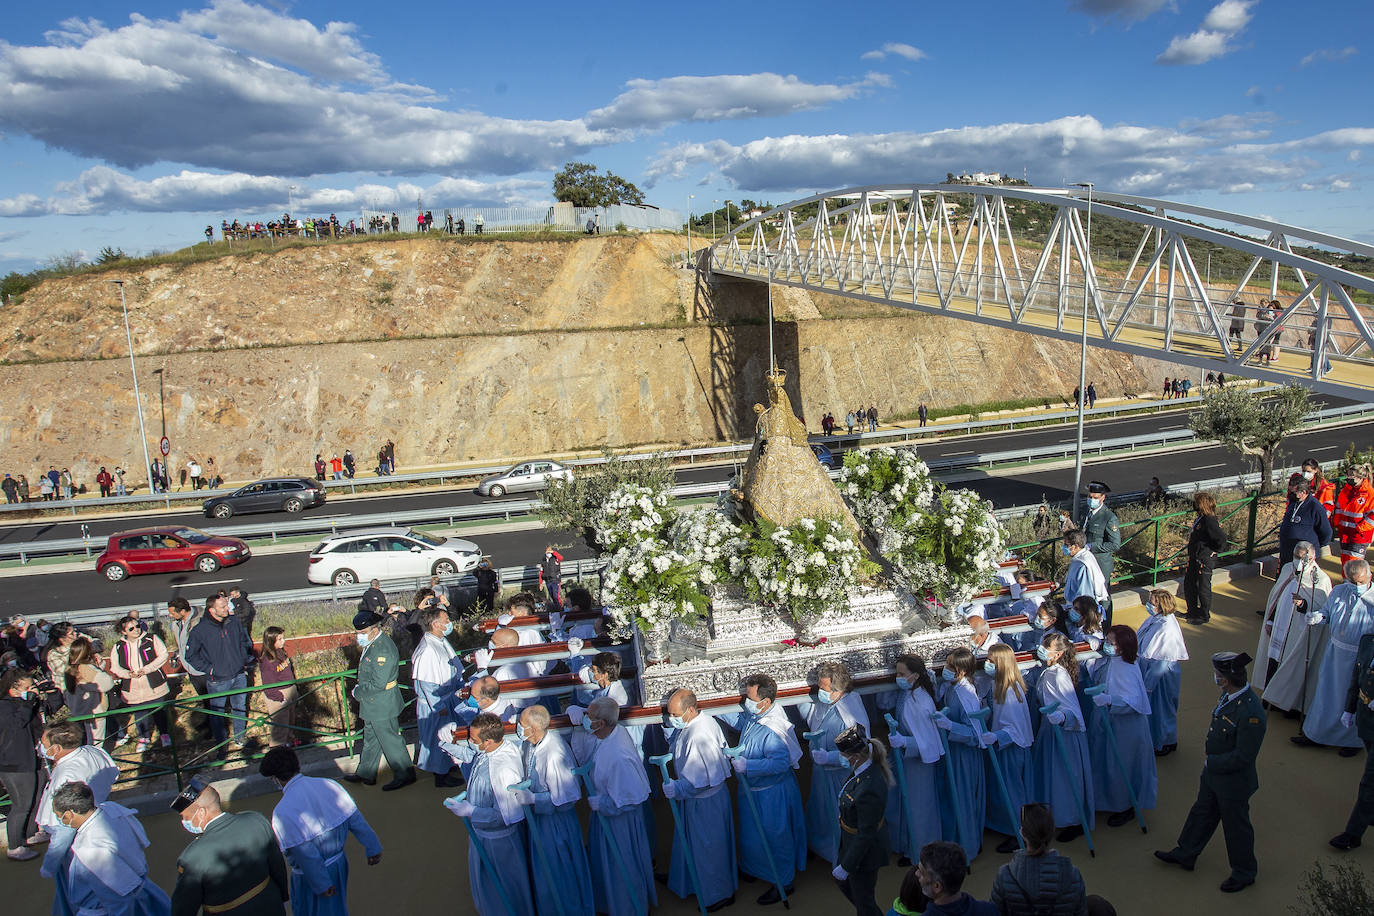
{"points": [[274, 528]]}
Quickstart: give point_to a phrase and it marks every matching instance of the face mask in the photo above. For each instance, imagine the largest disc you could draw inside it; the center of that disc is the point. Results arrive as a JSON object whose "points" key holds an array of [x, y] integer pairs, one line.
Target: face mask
{"points": [[947, 675], [1064, 549], [990, 669], [1094, 502], [363, 640], [1151, 610], [471, 703], [751, 706], [587, 723], [191, 828], [676, 722], [1038, 622], [979, 638], [1043, 654], [825, 697], [12, 663], [1074, 616], [520, 732], [448, 628], [1220, 682], [1109, 650], [1309, 475], [903, 683], [43, 751], [585, 675], [26, 694], [1360, 588]]}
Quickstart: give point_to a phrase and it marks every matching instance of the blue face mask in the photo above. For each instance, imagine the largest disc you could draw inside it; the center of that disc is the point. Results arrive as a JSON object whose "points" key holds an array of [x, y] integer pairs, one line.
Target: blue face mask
{"points": [[947, 675], [471, 703], [1043, 654], [520, 732], [824, 696], [676, 722], [990, 669], [1094, 502], [363, 640], [448, 628], [1064, 549], [903, 683], [1037, 622], [1108, 649], [1074, 616], [192, 828], [1151, 610], [751, 706], [587, 723]]}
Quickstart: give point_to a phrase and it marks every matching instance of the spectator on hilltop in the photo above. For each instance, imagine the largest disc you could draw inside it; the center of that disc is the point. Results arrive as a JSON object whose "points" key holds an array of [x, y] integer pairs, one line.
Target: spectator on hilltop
{"points": [[104, 479], [24, 488], [11, 488]]}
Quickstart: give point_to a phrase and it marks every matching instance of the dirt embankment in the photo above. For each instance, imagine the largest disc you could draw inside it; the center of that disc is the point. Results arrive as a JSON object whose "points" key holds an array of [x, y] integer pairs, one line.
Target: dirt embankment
{"points": [[462, 350]]}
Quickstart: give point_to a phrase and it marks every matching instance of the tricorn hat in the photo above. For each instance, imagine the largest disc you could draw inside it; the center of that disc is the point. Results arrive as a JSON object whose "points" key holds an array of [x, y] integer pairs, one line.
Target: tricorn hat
{"points": [[364, 619], [188, 796], [1231, 662], [1097, 486], [852, 740]]}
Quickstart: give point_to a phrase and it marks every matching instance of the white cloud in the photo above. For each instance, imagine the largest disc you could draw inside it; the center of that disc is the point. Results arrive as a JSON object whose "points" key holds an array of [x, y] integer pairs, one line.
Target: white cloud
{"points": [[1223, 22], [1329, 54], [244, 88], [896, 49], [102, 190], [1149, 160], [1130, 10], [657, 103], [1339, 184]]}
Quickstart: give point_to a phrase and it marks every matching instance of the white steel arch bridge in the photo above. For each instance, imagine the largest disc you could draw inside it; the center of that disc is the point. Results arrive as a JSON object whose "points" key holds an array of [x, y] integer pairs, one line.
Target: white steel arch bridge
{"points": [[953, 250]]}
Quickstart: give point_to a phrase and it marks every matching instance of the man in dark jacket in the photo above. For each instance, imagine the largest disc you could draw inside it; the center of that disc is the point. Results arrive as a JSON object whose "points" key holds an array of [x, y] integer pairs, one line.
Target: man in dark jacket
{"points": [[1228, 778], [488, 585], [863, 833], [219, 646], [1359, 710], [21, 725], [1304, 519], [234, 864], [551, 575], [941, 870], [374, 599], [242, 608]]}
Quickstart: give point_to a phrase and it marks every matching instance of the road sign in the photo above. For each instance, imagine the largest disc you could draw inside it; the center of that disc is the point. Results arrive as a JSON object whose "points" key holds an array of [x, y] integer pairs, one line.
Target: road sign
{"points": [[166, 446]]}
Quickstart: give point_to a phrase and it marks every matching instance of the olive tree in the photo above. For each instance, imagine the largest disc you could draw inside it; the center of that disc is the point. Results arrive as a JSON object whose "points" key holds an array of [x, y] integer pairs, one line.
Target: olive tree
{"points": [[571, 505], [1252, 424]]}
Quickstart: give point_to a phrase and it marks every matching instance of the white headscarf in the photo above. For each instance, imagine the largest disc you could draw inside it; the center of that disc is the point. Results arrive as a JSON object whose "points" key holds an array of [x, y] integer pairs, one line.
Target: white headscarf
{"points": [[698, 753], [1125, 683], [309, 808], [776, 721], [1161, 639]]}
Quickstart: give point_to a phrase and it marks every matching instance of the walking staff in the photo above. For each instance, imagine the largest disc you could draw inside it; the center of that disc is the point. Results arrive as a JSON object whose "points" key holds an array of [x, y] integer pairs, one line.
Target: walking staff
{"points": [[1068, 768], [734, 754], [482, 853], [1116, 755], [584, 773], [980, 716], [536, 840], [661, 761], [899, 771], [949, 766]]}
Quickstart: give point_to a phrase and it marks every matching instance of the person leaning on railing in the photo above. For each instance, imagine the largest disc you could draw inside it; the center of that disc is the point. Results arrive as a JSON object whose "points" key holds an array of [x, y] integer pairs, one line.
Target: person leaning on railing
{"points": [[86, 687], [137, 661]]}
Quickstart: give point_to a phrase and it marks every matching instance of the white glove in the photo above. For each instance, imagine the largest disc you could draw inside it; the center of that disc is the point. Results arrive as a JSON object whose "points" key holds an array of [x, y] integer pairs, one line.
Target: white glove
{"points": [[575, 714], [1315, 618], [524, 797], [987, 739], [353, 693], [822, 758], [574, 647], [482, 658], [895, 740], [740, 764], [594, 802], [669, 790], [943, 721], [460, 808], [1347, 719], [1102, 699], [839, 873], [1056, 718]]}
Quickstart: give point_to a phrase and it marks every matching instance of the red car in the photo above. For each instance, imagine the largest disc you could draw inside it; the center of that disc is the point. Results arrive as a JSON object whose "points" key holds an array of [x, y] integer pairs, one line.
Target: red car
{"points": [[171, 549]]}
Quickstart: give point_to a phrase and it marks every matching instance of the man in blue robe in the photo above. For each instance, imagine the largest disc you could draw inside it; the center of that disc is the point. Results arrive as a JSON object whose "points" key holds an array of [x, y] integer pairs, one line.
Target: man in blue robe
{"points": [[1347, 616], [562, 878], [769, 755], [622, 869], [108, 872], [312, 823], [703, 802], [436, 678]]}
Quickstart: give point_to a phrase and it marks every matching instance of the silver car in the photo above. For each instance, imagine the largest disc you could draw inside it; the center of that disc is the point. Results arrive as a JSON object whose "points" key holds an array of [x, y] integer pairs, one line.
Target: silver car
{"points": [[525, 477]]}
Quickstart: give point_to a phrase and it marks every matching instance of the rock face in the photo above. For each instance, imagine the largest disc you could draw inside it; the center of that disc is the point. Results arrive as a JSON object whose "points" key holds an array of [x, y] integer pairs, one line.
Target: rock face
{"points": [[460, 349]]}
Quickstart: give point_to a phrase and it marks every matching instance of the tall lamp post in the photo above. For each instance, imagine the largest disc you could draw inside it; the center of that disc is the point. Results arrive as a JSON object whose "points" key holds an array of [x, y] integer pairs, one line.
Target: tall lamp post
{"points": [[1209, 272], [772, 361], [161, 401], [715, 205], [138, 401], [1083, 352], [687, 262]]}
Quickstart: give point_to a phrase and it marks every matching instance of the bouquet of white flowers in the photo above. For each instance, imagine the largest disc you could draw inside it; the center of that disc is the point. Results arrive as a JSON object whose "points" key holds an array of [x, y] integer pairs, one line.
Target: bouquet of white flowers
{"points": [[802, 570], [954, 553], [631, 512], [707, 536], [647, 583], [890, 493]]}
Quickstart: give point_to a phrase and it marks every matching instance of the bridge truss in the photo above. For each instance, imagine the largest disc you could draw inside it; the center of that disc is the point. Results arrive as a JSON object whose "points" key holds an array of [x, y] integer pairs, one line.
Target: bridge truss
{"points": [[1019, 258]]}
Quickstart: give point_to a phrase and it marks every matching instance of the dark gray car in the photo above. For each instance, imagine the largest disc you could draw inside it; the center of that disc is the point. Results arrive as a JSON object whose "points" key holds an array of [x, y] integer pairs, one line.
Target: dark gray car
{"points": [[275, 494]]}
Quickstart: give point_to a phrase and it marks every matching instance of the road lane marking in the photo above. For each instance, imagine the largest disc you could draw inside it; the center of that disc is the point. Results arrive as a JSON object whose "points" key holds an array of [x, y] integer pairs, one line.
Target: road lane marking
{"points": [[1325, 448], [1208, 466], [199, 584]]}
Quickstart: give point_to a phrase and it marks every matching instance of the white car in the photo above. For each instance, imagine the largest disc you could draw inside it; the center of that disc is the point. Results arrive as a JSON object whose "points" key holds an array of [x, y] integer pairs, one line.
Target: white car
{"points": [[389, 553], [525, 477]]}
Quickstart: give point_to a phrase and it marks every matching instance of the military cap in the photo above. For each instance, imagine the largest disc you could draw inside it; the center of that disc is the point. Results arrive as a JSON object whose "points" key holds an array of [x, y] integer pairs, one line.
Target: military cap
{"points": [[364, 619]]}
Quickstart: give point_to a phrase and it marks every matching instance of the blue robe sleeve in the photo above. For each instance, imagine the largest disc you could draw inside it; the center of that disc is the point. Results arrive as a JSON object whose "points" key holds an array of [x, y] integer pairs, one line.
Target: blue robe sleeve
{"points": [[360, 828], [963, 734], [543, 803], [488, 817], [610, 809], [58, 846], [776, 760], [306, 858]]}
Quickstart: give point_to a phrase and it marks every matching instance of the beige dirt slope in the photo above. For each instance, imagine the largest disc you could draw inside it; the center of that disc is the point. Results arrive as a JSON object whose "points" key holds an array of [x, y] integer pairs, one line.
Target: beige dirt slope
{"points": [[458, 349]]}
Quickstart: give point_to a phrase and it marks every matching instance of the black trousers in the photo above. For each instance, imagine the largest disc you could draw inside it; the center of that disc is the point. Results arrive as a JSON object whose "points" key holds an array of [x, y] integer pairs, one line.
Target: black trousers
{"points": [[1362, 815], [24, 789], [1197, 586], [1233, 814], [859, 889]]}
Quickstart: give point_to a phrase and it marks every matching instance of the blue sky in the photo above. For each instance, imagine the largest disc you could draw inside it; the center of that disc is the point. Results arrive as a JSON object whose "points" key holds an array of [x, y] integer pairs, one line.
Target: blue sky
{"points": [[134, 126]]}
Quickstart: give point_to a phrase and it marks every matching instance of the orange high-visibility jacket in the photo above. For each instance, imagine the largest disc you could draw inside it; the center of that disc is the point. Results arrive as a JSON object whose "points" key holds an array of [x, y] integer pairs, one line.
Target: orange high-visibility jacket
{"points": [[1354, 519]]}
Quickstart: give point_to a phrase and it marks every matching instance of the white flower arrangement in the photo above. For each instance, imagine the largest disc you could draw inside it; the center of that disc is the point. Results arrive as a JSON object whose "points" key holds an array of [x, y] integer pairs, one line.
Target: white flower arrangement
{"points": [[648, 584], [631, 512], [705, 535], [803, 570]]}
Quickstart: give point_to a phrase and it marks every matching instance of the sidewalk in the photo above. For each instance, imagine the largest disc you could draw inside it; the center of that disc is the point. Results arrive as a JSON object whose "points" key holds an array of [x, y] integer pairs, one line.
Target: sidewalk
{"points": [[1303, 800]]}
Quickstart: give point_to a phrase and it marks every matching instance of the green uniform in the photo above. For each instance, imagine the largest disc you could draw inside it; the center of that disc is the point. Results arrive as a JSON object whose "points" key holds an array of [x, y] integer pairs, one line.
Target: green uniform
{"points": [[379, 704], [863, 836], [1359, 701], [1103, 533], [1228, 780], [234, 868]]}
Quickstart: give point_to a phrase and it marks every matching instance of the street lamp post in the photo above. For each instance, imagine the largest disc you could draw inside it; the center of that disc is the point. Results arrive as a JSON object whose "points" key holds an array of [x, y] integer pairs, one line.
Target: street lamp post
{"points": [[772, 361], [161, 401], [715, 205], [1083, 352], [687, 262], [138, 402], [727, 217], [1209, 272]]}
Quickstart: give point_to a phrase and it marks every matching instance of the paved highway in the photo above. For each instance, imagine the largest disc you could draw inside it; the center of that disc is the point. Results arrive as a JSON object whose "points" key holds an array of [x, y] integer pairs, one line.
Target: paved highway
{"points": [[77, 590], [58, 528]]}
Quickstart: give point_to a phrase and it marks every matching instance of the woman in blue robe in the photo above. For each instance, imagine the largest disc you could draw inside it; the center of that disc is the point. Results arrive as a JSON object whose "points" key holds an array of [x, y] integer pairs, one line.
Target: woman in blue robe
{"points": [[562, 876], [1123, 700], [1161, 650], [1009, 730], [1067, 790], [835, 710], [917, 749], [963, 795]]}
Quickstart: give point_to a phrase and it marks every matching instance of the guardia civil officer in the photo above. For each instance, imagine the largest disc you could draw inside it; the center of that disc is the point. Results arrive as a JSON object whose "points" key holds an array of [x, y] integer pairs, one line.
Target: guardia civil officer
{"points": [[863, 833], [1103, 532], [379, 705], [1228, 777], [233, 865], [1359, 710]]}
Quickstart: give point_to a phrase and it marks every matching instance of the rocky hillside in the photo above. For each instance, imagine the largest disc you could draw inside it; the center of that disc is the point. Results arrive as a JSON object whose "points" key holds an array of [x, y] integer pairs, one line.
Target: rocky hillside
{"points": [[462, 349]]}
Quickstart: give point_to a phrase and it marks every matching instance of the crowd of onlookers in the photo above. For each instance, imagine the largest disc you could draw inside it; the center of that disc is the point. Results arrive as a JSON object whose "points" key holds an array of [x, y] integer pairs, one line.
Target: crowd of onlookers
{"points": [[54, 484], [320, 227]]}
